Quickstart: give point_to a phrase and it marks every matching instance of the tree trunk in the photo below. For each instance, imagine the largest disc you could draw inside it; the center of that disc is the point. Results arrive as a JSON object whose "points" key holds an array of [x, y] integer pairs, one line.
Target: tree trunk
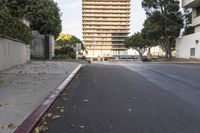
{"points": [[140, 56], [166, 53], [170, 49], [170, 54]]}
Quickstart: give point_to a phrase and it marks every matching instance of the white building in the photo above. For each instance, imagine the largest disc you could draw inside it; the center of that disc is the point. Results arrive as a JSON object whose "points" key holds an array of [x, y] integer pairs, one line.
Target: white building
{"points": [[189, 46]]}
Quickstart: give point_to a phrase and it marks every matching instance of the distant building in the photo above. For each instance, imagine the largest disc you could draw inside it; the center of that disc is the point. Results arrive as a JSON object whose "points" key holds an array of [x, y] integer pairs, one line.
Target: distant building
{"points": [[189, 46], [105, 25]]}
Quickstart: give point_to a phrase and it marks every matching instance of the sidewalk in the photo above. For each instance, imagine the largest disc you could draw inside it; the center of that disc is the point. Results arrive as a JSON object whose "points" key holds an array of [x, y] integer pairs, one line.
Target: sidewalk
{"points": [[24, 87]]}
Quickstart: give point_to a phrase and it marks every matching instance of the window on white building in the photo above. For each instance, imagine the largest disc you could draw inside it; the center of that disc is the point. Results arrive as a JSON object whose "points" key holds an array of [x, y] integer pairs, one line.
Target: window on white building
{"points": [[198, 11], [192, 52]]}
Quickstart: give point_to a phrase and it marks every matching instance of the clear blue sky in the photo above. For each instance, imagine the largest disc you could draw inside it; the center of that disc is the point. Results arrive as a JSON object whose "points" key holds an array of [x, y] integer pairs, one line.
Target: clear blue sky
{"points": [[72, 16]]}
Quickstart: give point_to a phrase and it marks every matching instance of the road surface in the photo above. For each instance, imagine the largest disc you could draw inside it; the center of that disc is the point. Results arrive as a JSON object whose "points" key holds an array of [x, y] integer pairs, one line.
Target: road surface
{"points": [[131, 98]]}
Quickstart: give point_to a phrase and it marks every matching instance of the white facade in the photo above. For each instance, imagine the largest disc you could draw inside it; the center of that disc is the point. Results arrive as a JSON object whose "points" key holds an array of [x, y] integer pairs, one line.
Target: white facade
{"points": [[188, 46], [13, 52]]}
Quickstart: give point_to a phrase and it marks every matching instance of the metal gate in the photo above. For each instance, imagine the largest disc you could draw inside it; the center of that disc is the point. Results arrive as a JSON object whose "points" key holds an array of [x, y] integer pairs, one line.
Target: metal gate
{"points": [[39, 46]]}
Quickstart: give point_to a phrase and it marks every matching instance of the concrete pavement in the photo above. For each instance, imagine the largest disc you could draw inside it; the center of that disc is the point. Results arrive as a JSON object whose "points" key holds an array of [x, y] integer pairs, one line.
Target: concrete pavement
{"points": [[130, 98], [23, 88]]}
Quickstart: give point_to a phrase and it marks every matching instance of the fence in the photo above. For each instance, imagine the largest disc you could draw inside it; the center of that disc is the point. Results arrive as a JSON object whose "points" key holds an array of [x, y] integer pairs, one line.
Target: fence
{"points": [[42, 46], [37, 46]]}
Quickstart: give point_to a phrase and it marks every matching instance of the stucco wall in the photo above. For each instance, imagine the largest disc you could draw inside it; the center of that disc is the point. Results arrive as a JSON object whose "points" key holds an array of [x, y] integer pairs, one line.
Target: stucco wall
{"points": [[12, 52], [184, 44]]}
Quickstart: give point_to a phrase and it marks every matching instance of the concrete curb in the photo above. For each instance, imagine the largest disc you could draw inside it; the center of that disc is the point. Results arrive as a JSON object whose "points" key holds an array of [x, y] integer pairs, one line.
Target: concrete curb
{"points": [[33, 119]]}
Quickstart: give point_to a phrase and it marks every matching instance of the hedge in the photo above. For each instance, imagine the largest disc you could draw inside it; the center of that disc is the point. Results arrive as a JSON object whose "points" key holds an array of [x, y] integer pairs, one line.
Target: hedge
{"points": [[65, 52], [12, 27]]}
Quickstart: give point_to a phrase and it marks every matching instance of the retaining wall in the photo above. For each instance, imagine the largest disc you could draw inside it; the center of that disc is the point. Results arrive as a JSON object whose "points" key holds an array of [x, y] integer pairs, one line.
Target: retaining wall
{"points": [[13, 52]]}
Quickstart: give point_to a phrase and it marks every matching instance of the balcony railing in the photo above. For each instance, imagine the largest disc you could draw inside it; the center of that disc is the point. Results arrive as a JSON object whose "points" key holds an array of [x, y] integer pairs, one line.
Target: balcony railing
{"points": [[106, 3], [196, 21], [190, 3], [107, 15], [113, 31], [106, 19], [108, 27], [104, 36], [107, 11], [106, 7], [103, 40], [106, 23]]}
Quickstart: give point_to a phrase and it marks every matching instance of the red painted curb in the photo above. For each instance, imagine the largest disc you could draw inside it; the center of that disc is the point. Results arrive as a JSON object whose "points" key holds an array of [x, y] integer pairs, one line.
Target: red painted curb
{"points": [[33, 119]]}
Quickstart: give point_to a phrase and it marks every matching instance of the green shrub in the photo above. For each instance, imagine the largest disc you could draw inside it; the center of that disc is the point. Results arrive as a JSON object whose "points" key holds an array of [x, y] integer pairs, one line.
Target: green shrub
{"points": [[65, 52], [12, 27], [62, 57]]}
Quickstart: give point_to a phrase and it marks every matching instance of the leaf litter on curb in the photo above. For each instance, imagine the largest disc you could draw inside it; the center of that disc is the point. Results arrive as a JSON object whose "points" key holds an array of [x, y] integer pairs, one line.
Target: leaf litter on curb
{"points": [[41, 129], [55, 117], [61, 109], [49, 115], [9, 126]]}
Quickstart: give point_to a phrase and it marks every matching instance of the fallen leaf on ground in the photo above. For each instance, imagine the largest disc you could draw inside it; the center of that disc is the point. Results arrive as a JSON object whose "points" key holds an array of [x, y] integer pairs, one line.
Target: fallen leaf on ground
{"points": [[37, 130], [19, 72], [49, 115], [82, 127], [55, 117], [85, 100], [10, 126], [41, 129], [65, 99], [73, 107], [44, 121], [62, 110], [60, 107], [1, 81], [44, 129], [134, 98], [71, 126], [64, 94]]}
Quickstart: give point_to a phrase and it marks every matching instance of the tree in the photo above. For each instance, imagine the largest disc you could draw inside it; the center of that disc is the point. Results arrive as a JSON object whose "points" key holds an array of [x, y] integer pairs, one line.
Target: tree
{"points": [[188, 28], [139, 43], [68, 40], [44, 15], [164, 22]]}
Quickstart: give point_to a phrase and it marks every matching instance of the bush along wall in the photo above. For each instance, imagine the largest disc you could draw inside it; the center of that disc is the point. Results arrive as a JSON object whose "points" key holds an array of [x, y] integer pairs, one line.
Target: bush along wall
{"points": [[12, 27]]}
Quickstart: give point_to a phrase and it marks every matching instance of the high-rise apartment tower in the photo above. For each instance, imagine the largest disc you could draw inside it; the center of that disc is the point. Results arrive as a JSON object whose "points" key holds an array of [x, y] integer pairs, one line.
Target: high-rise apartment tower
{"points": [[105, 25]]}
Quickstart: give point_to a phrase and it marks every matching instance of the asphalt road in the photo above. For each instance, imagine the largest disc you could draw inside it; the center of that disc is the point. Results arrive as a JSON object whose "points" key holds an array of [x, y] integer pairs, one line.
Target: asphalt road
{"points": [[131, 98]]}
